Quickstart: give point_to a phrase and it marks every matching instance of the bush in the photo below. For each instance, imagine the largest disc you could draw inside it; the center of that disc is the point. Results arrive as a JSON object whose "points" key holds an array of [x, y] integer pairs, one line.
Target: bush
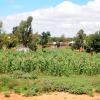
{"points": [[31, 92], [77, 90], [17, 90], [32, 46], [18, 73], [4, 79], [28, 76], [7, 94]]}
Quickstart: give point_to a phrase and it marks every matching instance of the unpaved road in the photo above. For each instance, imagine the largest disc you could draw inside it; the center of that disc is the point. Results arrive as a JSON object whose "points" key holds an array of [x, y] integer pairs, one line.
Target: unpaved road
{"points": [[51, 96]]}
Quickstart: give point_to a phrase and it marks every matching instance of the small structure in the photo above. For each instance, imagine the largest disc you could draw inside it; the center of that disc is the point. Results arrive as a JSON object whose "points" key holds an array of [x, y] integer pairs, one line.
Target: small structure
{"points": [[23, 49], [71, 43], [58, 45]]}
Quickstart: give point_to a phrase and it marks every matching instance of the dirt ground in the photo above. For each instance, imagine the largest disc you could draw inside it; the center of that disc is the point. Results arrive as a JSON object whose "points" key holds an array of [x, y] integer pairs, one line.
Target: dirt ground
{"points": [[51, 96]]}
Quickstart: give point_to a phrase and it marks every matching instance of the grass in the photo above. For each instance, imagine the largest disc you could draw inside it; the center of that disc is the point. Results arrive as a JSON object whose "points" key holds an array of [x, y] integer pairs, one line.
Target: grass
{"points": [[75, 84]]}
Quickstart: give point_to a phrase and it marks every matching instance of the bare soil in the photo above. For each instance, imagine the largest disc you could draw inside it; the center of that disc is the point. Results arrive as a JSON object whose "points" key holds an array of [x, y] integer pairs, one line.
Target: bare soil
{"points": [[51, 96]]}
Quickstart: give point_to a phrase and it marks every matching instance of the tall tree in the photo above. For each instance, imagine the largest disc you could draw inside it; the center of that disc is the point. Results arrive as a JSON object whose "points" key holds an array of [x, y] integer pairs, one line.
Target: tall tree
{"points": [[24, 31], [93, 42], [62, 38], [79, 39], [44, 39]]}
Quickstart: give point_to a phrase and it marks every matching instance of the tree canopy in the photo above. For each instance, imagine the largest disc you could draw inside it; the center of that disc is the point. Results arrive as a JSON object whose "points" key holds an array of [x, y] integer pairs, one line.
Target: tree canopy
{"points": [[79, 39], [24, 31], [44, 39], [93, 41]]}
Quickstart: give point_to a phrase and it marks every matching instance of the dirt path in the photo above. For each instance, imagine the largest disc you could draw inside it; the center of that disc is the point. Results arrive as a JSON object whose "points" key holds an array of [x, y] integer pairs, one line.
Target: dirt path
{"points": [[52, 96]]}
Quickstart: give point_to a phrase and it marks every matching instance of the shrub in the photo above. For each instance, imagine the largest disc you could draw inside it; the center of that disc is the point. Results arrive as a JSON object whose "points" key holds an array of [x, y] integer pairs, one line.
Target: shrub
{"points": [[31, 92], [7, 94]]}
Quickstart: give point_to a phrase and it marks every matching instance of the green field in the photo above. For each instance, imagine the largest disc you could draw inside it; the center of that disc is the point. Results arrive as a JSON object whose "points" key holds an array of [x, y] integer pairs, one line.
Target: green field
{"points": [[33, 73]]}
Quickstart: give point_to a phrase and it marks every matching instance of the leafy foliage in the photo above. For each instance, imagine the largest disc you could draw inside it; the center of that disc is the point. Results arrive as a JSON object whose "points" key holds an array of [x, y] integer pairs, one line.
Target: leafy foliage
{"points": [[74, 84], [56, 62], [79, 39], [24, 32], [93, 41], [44, 39], [7, 41]]}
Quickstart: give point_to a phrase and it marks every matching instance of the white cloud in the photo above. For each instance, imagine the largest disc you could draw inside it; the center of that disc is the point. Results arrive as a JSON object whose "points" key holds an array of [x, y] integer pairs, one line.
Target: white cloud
{"points": [[66, 18]]}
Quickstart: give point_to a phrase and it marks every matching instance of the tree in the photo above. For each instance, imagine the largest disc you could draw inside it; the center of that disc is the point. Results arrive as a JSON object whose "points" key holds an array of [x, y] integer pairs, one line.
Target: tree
{"points": [[24, 32], [79, 39], [93, 42], [14, 31], [7, 41], [44, 39], [62, 38], [1, 24]]}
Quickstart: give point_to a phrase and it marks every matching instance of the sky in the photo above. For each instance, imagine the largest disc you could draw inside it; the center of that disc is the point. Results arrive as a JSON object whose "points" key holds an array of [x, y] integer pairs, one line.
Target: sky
{"points": [[57, 16], [8, 7]]}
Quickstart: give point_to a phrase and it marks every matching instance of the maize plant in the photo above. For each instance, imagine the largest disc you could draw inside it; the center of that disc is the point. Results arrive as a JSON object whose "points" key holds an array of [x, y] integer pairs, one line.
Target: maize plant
{"points": [[55, 62]]}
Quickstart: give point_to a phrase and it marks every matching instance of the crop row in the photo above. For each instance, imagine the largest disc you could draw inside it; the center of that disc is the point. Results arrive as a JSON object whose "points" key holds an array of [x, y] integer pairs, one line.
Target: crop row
{"points": [[56, 62]]}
